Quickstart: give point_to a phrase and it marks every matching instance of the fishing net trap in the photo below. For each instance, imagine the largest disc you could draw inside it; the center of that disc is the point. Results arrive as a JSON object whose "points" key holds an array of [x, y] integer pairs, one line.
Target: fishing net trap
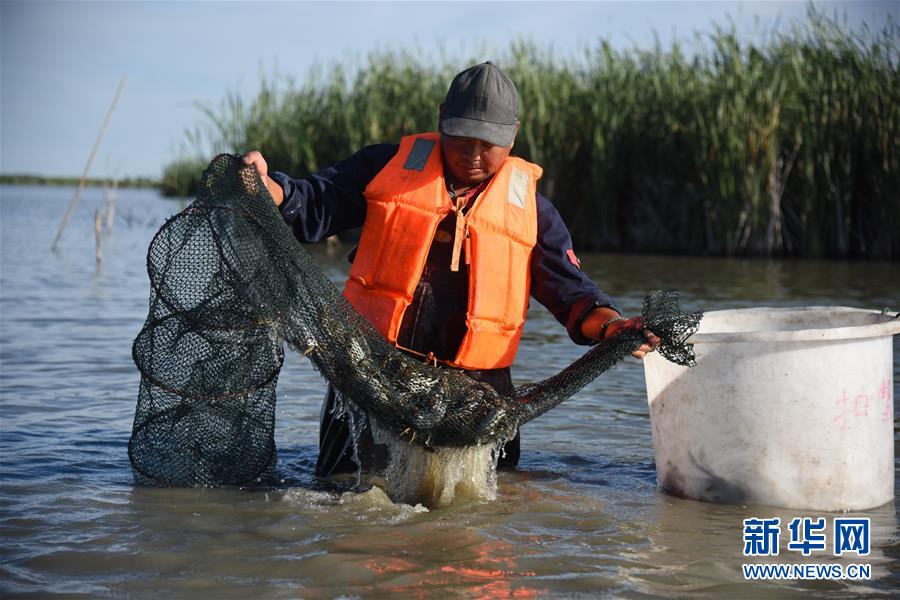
{"points": [[229, 285]]}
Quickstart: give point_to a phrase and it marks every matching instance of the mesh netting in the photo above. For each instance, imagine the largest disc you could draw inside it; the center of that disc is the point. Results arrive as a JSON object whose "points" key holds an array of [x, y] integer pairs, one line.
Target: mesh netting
{"points": [[229, 283]]}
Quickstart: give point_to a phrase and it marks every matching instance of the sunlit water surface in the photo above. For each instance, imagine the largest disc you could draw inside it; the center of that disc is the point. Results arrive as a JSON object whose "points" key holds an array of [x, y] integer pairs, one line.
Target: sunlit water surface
{"points": [[581, 517]]}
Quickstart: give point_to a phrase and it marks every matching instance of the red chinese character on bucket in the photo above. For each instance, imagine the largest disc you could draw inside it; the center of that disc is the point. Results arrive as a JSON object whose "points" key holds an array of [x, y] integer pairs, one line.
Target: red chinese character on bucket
{"points": [[885, 393], [841, 417]]}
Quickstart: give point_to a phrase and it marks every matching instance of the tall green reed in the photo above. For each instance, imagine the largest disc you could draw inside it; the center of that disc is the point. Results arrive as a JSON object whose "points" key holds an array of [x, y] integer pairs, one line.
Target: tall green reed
{"points": [[787, 147]]}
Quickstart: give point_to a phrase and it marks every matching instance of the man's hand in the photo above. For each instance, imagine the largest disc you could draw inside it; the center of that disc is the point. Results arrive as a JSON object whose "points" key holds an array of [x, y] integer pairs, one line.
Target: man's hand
{"points": [[255, 158], [650, 339], [604, 323]]}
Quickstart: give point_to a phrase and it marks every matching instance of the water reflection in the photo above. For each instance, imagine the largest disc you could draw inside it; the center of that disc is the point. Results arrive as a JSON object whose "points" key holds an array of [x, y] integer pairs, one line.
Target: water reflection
{"points": [[424, 562], [717, 284]]}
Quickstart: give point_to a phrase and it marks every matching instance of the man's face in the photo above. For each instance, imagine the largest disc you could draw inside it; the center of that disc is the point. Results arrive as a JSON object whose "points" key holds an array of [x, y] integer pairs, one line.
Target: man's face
{"points": [[470, 160]]}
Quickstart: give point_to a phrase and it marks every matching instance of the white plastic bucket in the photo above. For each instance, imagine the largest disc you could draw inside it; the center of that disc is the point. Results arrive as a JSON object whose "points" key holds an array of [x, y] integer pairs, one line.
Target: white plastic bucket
{"points": [[789, 407]]}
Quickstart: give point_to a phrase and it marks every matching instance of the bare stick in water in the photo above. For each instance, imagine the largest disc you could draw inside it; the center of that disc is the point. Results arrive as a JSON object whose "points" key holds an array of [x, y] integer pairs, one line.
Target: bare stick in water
{"points": [[74, 201]]}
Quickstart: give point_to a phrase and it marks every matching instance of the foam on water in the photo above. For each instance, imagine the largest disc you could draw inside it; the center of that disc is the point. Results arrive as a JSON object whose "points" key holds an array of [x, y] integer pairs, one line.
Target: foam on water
{"points": [[371, 506], [436, 477], [419, 476]]}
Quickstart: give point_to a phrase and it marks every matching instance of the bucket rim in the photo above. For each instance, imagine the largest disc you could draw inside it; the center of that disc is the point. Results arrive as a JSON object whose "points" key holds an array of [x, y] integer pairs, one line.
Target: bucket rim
{"points": [[888, 327]]}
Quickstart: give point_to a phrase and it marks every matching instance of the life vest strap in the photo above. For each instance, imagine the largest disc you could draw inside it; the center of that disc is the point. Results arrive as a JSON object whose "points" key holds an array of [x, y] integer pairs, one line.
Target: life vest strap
{"points": [[430, 358]]}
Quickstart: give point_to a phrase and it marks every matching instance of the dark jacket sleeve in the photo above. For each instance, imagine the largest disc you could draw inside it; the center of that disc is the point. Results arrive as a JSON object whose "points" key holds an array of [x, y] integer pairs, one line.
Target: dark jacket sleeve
{"points": [[331, 200], [556, 281]]}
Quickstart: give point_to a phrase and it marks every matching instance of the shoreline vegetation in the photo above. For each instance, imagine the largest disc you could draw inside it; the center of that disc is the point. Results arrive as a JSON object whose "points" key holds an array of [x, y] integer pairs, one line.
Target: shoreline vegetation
{"points": [[125, 182]]}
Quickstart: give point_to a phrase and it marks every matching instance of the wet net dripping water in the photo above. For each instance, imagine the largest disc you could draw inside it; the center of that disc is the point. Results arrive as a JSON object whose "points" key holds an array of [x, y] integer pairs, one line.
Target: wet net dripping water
{"points": [[229, 285]]}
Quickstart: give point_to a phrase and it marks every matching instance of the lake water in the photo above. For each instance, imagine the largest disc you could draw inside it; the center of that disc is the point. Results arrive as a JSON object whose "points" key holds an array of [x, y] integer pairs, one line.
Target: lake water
{"points": [[582, 517]]}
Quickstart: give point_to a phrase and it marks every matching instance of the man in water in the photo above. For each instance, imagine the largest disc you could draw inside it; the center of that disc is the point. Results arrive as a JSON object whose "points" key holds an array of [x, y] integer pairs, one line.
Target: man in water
{"points": [[455, 239]]}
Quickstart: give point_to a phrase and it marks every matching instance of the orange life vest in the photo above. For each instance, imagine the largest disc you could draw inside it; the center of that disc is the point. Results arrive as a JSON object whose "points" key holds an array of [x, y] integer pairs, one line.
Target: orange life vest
{"points": [[405, 203]]}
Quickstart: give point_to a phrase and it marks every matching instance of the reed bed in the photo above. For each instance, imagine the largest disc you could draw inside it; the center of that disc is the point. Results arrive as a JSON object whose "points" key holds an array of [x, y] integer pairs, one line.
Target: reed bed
{"points": [[782, 148]]}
